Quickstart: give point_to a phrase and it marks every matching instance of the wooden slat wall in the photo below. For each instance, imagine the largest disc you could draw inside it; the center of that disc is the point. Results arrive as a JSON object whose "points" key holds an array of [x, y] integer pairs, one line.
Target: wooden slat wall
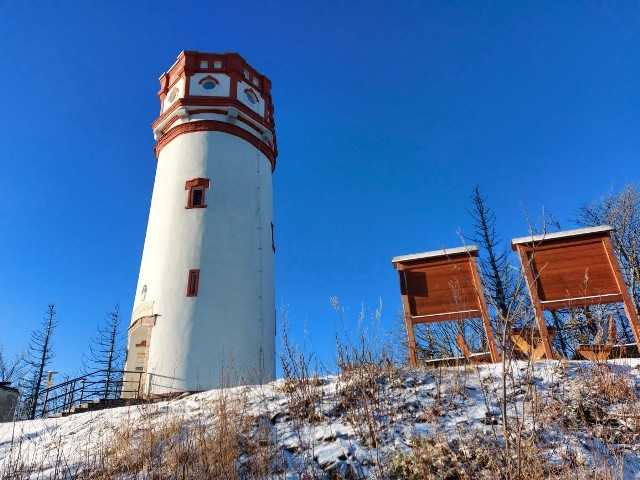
{"points": [[566, 271], [440, 288]]}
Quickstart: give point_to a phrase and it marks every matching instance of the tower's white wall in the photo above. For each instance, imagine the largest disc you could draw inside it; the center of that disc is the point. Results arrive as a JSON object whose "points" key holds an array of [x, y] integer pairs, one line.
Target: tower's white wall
{"points": [[229, 327]]}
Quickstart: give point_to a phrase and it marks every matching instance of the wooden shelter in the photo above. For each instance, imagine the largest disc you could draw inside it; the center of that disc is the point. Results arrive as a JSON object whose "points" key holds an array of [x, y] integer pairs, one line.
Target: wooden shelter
{"points": [[574, 268], [442, 285]]}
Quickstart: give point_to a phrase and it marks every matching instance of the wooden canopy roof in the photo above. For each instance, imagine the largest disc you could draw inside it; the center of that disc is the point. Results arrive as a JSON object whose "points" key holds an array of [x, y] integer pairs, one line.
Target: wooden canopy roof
{"points": [[442, 285], [574, 268]]}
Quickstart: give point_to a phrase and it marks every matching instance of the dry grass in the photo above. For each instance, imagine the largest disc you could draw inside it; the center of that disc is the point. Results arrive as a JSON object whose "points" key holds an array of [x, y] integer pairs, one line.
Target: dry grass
{"points": [[580, 423], [474, 456], [592, 414], [222, 442], [437, 458]]}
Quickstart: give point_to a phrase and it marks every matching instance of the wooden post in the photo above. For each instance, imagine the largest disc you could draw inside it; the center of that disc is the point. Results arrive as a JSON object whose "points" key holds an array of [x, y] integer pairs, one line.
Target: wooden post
{"points": [[413, 354], [484, 311], [527, 264], [632, 316]]}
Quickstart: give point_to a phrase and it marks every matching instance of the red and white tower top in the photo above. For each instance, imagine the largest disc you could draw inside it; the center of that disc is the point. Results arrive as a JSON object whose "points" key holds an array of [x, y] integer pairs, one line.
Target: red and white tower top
{"points": [[223, 85]]}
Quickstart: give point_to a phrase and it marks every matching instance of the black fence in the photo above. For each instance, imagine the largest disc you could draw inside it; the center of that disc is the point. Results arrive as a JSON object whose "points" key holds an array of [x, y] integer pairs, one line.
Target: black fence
{"points": [[98, 385]]}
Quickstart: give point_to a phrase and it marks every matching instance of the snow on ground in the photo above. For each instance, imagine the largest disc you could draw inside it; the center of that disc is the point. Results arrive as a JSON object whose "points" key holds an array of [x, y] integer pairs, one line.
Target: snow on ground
{"points": [[365, 423]]}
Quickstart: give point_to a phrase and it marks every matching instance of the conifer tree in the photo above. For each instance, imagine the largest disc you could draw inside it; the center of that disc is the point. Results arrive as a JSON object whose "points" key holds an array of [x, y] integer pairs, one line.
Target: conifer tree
{"points": [[494, 261], [39, 356], [106, 353]]}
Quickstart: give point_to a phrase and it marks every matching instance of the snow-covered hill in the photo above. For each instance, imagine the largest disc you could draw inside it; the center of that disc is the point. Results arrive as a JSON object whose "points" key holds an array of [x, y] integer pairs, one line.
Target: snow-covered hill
{"points": [[564, 420]]}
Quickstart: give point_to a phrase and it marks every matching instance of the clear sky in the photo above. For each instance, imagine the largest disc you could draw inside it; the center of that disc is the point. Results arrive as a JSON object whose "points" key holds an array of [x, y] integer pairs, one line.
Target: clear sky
{"points": [[387, 115]]}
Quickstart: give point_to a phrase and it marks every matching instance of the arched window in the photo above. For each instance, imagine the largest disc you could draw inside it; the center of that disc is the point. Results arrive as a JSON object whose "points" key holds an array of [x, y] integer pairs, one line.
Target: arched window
{"points": [[251, 96], [208, 83], [195, 192]]}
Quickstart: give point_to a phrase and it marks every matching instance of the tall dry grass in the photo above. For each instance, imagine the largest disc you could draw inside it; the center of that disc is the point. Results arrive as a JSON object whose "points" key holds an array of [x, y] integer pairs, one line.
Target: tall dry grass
{"points": [[580, 421]]}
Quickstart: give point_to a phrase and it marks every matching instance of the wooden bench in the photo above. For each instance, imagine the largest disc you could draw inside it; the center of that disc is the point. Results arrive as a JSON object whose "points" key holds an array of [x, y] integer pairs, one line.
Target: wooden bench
{"points": [[602, 350], [480, 358], [528, 342]]}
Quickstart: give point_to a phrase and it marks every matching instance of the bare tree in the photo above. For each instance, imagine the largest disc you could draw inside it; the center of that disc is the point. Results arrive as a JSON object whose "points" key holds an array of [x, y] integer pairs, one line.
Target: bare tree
{"points": [[39, 356], [11, 369], [620, 210], [106, 353]]}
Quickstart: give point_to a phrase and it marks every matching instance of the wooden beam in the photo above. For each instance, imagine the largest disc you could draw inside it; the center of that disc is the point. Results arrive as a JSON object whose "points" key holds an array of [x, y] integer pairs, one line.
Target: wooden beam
{"points": [[484, 311], [465, 351], [632, 315], [527, 264], [446, 316], [581, 301], [549, 242], [413, 354]]}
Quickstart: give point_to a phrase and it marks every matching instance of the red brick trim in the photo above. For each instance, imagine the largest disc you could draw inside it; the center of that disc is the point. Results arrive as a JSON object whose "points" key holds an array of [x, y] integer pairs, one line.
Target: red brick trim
{"points": [[217, 126], [222, 112], [219, 111], [191, 186], [197, 182], [170, 124], [218, 102], [188, 64], [192, 282]]}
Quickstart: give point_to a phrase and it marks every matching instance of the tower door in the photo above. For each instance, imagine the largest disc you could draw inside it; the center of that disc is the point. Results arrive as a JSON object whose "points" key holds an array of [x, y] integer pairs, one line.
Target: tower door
{"points": [[137, 357]]}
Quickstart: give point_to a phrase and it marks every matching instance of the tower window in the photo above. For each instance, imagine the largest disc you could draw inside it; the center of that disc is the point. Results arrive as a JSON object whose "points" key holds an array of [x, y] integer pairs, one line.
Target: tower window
{"points": [[195, 192], [252, 98], [192, 283], [208, 83], [196, 197]]}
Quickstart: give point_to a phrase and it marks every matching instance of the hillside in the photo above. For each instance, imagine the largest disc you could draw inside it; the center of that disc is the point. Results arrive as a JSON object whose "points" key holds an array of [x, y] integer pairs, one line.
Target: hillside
{"points": [[564, 420]]}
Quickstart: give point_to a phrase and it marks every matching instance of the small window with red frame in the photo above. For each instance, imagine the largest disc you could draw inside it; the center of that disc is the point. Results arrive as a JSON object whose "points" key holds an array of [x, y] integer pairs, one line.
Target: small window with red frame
{"points": [[192, 283], [196, 192]]}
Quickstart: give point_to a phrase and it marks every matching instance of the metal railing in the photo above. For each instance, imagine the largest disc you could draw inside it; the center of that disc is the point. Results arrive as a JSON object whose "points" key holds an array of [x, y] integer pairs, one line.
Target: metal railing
{"points": [[98, 385]]}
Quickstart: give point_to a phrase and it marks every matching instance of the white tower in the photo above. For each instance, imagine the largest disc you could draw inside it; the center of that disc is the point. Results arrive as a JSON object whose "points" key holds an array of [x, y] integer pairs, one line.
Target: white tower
{"points": [[204, 310]]}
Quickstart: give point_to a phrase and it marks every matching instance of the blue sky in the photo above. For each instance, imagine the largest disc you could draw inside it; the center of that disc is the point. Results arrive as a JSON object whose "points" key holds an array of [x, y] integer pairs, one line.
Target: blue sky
{"points": [[387, 115]]}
